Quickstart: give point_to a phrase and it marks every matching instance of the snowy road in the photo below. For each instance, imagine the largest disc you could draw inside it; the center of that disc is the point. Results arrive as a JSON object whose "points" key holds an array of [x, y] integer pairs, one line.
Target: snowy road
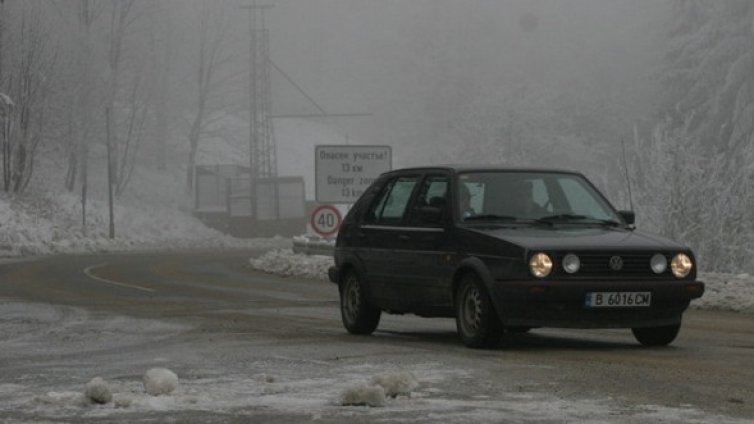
{"points": [[251, 347]]}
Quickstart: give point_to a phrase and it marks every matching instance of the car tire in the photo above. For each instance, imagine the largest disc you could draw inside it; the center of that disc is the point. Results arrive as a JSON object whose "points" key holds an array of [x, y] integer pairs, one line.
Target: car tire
{"points": [[656, 336], [476, 321], [359, 317]]}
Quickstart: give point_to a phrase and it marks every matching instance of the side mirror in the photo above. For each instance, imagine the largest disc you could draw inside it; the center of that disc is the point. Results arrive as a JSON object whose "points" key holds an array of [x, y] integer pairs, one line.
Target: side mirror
{"points": [[628, 216]]}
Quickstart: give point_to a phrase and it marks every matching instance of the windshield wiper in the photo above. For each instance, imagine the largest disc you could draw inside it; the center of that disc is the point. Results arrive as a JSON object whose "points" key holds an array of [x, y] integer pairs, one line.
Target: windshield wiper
{"points": [[574, 217], [561, 217], [490, 217]]}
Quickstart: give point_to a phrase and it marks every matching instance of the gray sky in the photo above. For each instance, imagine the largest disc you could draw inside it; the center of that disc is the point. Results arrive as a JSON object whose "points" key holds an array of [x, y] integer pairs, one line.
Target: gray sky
{"points": [[402, 60]]}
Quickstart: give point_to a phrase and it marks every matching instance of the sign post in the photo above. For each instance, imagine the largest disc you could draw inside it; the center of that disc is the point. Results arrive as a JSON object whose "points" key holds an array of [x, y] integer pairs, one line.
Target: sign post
{"points": [[343, 172]]}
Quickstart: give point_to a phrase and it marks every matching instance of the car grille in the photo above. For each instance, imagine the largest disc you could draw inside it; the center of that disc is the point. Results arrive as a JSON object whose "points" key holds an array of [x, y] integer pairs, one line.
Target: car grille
{"points": [[597, 264]]}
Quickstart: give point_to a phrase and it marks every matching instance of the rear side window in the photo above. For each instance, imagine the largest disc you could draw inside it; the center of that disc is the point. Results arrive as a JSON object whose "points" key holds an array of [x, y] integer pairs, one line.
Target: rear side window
{"points": [[391, 204]]}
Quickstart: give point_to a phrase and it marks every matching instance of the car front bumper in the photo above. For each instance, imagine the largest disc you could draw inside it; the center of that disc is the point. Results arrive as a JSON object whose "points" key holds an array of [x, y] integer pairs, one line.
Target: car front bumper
{"points": [[563, 303]]}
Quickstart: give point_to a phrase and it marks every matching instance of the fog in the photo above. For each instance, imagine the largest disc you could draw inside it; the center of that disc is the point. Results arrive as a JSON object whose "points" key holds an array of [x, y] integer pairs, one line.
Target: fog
{"points": [[545, 83], [422, 67]]}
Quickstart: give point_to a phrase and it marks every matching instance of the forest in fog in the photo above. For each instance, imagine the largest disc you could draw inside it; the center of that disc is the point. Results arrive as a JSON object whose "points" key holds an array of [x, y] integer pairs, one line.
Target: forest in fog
{"points": [[549, 83]]}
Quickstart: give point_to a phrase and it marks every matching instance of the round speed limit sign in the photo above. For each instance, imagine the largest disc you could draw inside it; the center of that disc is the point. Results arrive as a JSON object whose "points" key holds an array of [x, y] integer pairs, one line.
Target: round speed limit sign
{"points": [[325, 220]]}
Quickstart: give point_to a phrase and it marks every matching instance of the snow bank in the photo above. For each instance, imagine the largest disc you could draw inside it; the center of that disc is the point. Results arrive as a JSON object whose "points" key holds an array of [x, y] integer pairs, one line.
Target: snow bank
{"points": [[160, 381], [727, 292], [49, 225], [285, 262]]}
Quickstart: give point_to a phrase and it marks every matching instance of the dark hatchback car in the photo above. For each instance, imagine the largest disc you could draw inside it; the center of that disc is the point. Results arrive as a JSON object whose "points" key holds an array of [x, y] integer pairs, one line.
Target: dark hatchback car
{"points": [[506, 250]]}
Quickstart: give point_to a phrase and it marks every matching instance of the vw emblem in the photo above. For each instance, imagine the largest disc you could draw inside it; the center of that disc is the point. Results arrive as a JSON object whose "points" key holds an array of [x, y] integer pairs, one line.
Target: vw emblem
{"points": [[616, 263]]}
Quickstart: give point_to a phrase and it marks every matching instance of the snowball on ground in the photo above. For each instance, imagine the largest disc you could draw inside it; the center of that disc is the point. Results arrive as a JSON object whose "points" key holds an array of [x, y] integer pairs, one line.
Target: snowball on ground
{"points": [[363, 395], [98, 391], [160, 381], [396, 384]]}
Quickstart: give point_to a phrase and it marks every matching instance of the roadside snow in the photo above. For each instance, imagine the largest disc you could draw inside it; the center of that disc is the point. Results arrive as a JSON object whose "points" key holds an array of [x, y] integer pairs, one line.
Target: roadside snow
{"points": [[286, 263], [52, 225], [725, 292]]}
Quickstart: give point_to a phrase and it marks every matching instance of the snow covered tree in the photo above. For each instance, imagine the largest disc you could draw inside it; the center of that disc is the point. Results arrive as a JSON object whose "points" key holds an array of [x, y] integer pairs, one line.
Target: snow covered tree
{"points": [[701, 152]]}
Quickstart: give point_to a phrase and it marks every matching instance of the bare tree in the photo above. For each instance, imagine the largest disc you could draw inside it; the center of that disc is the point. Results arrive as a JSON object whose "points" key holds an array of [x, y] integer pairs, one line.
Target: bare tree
{"points": [[212, 33], [124, 144], [87, 13], [28, 80]]}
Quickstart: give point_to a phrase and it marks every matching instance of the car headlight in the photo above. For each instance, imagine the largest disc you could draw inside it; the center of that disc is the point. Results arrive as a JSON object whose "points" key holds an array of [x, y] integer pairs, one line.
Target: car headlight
{"points": [[540, 265], [681, 265], [571, 263], [659, 263]]}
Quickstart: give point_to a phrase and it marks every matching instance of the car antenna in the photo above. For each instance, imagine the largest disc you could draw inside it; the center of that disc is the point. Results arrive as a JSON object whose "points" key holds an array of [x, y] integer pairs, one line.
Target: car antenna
{"points": [[628, 179]]}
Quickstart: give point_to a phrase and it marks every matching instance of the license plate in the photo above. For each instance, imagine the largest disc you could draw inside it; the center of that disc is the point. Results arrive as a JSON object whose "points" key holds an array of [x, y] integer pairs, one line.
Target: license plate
{"points": [[618, 299]]}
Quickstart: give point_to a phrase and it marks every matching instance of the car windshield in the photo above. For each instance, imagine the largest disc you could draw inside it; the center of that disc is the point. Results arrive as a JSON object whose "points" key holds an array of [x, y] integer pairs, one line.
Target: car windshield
{"points": [[531, 197]]}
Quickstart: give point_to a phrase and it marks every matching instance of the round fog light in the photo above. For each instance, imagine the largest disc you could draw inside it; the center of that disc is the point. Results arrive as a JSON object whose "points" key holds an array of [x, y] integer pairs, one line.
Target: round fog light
{"points": [[659, 263], [681, 265], [540, 265], [571, 263]]}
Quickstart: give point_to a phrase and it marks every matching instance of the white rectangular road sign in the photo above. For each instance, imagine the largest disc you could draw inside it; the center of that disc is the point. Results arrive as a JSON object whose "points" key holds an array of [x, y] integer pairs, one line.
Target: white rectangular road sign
{"points": [[343, 172]]}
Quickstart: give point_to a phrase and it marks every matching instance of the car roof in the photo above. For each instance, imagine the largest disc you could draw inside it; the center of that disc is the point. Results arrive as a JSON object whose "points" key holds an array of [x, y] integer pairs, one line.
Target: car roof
{"points": [[457, 168]]}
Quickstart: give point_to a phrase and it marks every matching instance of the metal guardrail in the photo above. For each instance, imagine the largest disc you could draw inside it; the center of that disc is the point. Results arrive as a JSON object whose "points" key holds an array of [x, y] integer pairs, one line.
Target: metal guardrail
{"points": [[314, 245]]}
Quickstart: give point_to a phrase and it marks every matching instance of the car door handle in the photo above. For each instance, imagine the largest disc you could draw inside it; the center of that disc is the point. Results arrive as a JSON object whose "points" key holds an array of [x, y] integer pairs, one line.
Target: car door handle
{"points": [[404, 237]]}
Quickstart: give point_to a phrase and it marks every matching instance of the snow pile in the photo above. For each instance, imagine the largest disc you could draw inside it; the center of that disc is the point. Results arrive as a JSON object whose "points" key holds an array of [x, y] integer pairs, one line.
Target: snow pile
{"points": [[391, 385], [363, 395], [98, 391], [49, 224], [160, 381], [396, 384], [65, 399], [285, 262], [728, 292]]}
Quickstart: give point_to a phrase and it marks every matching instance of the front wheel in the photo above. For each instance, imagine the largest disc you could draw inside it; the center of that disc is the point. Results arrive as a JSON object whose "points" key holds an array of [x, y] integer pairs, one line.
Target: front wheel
{"points": [[477, 323], [359, 317], [656, 336]]}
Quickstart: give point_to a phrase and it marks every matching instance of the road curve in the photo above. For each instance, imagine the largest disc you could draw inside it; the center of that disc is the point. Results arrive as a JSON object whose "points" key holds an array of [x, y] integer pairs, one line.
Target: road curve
{"points": [[221, 301]]}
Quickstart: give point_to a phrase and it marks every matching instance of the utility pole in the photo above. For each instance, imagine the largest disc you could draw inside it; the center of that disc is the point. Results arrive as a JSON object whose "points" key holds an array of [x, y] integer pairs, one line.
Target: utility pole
{"points": [[108, 117], [262, 149]]}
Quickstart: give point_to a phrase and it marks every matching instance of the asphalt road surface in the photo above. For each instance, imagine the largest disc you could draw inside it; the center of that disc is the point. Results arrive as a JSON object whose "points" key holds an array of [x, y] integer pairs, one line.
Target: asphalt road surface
{"points": [[253, 347]]}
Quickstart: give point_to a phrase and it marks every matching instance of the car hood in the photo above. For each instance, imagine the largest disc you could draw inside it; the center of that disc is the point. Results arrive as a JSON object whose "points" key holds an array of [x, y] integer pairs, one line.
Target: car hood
{"points": [[581, 238]]}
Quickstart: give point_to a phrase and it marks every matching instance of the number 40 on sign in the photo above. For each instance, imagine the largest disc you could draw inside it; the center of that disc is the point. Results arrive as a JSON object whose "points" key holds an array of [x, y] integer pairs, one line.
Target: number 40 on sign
{"points": [[325, 220]]}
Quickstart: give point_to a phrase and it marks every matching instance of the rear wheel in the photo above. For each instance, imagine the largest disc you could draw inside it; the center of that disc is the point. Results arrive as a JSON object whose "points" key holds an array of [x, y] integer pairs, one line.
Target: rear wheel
{"points": [[477, 323], [359, 317], [656, 336]]}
